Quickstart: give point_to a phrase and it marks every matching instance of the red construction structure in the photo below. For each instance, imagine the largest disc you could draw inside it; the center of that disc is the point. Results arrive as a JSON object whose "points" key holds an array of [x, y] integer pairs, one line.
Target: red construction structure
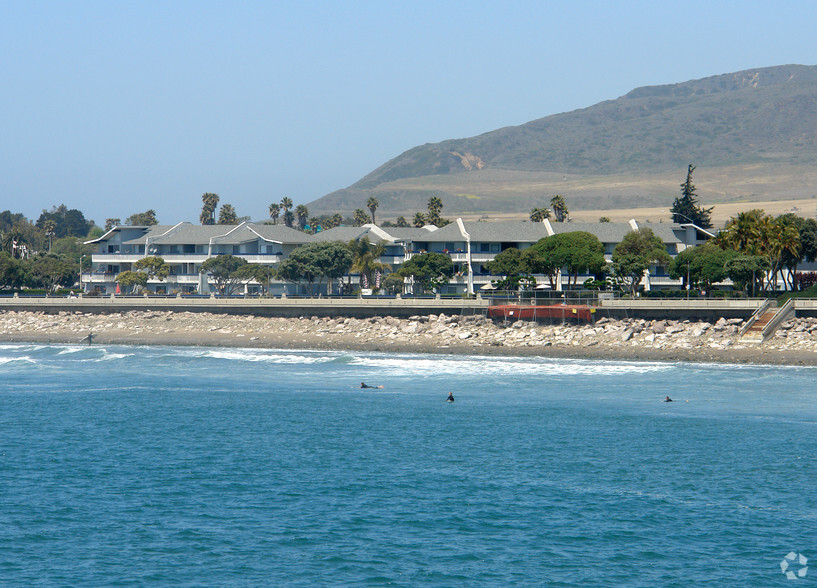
{"points": [[564, 312]]}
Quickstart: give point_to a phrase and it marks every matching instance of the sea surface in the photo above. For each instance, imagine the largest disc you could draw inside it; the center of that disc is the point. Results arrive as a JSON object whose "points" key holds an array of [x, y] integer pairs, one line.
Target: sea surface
{"points": [[172, 466]]}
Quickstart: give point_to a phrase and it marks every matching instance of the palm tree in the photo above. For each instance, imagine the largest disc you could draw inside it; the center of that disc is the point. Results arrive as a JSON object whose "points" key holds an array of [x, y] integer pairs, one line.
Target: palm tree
{"points": [[274, 211], [743, 232], [419, 220], [372, 205], [435, 206], [361, 218], [227, 215], [50, 226], [537, 215], [559, 206], [337, 219], [401, 222], [365, 255], [13, 241], [779, 240], [302, 213], [286, 205], [208, 210]]}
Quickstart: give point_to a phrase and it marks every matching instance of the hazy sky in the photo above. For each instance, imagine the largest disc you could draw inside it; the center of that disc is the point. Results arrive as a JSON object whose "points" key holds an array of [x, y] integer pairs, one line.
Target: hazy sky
{"points": [[116, 107]]}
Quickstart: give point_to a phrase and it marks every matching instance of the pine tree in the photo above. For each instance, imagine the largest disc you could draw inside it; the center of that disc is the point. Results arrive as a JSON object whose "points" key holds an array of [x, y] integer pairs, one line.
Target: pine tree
{"points": [[686, 210]]}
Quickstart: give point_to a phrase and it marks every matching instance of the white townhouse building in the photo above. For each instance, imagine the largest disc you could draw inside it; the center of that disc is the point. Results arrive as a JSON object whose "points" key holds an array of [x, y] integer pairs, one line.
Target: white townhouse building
{"points": [[471, 245], [394, 239], [184, 247]]}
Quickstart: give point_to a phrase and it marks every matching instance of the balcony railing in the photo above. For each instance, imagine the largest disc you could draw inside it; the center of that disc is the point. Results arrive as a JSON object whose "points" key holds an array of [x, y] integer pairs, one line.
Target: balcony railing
{"points": [[117, 257], [265, 258]]}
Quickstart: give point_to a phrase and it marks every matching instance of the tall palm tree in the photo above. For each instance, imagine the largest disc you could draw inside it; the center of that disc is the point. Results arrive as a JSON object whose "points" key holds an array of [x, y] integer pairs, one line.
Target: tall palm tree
{"points": [[435, 206], [274, 211], [372, 205], [302, 212], [365, 255], [50, 227], [208, 210], [286, 205], [779, 240], [227, 215], [559, 206]]}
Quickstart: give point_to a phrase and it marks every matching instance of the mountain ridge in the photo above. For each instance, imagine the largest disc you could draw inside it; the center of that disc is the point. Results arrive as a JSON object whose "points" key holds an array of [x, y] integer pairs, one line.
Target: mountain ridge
{"points": [[758, 120]]}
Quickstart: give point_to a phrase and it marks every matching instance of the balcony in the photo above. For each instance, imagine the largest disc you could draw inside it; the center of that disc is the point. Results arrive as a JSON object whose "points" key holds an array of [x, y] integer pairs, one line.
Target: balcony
{"points": [[264, 258], [116, 257], [97, 277]]}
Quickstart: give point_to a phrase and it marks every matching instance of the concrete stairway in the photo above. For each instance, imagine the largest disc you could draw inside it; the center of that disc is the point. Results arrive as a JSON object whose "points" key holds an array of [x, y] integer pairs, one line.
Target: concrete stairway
{"points": [[763, 324], [754, 334]]}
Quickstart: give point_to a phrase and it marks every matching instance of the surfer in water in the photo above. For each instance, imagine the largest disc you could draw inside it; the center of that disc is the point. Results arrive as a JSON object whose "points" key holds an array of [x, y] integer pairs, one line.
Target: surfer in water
{"points": [[365, 385], [667, 399], [89, 338], [450, 397]]}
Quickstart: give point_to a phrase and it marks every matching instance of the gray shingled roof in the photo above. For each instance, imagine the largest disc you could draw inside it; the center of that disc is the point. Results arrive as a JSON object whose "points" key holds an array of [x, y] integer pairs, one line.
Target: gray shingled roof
{"points": [[343, 234], [606, 232], [665, 231], [271, 233], [501, 231], [187, 234], [151, 232], [407, 233], [614, 232]]}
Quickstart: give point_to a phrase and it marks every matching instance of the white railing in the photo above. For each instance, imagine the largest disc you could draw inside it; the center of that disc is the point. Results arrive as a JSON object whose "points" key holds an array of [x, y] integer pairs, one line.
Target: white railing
{"points": [[117, 257]]}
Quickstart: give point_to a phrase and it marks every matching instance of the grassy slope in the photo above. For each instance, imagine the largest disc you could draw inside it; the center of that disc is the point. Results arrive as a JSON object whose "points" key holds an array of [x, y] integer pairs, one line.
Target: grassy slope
{"points": [[753, 135]]}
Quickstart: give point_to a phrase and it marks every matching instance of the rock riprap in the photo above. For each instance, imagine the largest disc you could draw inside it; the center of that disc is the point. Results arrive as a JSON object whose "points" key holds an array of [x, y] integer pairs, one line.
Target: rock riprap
{"points": [[417, 332]]}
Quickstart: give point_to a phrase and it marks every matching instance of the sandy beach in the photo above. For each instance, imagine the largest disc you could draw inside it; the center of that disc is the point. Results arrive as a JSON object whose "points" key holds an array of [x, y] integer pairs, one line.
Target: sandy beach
{"points": [[636, 339]]}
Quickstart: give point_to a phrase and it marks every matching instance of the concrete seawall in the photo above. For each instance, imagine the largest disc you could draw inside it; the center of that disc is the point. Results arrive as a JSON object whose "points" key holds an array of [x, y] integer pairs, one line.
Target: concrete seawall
{"points": [[651, 309], [660, 309], [277, 307]]}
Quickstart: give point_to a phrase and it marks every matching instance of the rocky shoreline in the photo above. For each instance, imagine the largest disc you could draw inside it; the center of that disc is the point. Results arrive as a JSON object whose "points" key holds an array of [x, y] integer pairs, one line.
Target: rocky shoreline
{"points": [[795, 343]]}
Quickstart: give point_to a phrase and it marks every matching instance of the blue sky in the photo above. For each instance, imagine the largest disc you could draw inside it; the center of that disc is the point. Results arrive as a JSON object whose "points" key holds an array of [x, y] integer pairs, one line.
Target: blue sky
{"points": [[118, 107]]}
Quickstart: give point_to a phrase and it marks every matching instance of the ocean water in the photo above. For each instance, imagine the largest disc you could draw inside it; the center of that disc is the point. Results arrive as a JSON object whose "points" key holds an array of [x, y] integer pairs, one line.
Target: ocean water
{"points": [[137, 466]]}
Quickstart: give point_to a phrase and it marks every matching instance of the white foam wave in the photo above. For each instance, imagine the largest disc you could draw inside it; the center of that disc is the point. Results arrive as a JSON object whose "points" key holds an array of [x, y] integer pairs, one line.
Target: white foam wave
{"points": [[109, 356], [262, 356], [13, 360], [23, 347], [71, 349], [505, 366]]}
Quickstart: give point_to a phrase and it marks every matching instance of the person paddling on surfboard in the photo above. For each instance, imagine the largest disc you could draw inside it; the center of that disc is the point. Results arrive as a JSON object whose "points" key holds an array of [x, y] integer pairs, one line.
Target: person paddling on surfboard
{"points": [[365, 385], [667, 399]]}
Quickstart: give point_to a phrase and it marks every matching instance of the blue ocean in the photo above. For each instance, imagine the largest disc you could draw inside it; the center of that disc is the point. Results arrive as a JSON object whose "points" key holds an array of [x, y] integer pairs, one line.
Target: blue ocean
{"points": [[158, 466]]}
